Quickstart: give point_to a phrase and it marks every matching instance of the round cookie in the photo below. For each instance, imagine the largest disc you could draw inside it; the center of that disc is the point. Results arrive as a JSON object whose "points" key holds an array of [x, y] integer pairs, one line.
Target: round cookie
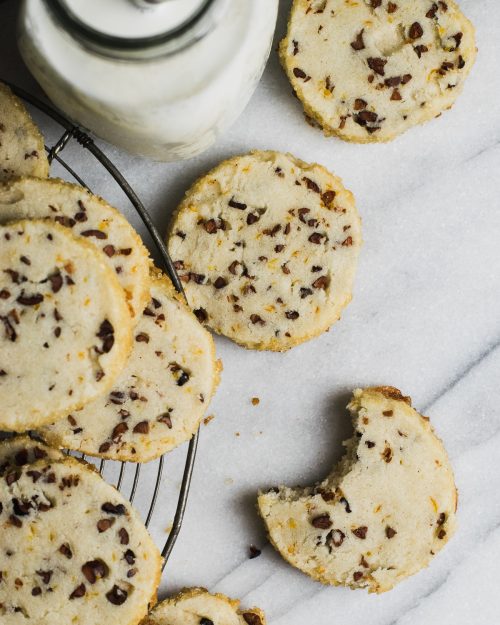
{"points": [[196, 606], [267, 247], [369, 70], [17, 451], [89, 217], [161, 395], [65, 328], [72, 549], [22, 151], [384, 512]]}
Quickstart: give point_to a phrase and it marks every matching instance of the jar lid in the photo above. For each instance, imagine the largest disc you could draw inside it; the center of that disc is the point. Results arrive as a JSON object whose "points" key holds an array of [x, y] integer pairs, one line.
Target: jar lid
{"points": [[136, 28]]}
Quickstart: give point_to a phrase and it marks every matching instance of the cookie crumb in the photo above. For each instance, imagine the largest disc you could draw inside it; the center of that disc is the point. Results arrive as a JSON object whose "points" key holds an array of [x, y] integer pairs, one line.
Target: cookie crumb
{"points": [[255, 401], [254, 552]]}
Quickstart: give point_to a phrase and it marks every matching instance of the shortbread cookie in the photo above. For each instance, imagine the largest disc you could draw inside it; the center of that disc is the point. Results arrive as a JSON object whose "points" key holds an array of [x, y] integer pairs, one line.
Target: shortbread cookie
{"points": [[72, 549], [369, 70], [196, 606], [65, 328], [266, 246], [160, 397], [89, 217], [385, 511], [18, 451], [22, 151]]}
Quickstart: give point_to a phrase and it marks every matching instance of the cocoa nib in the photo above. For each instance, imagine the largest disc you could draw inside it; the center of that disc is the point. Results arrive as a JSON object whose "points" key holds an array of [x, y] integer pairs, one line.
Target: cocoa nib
{"points": [[335, 537], [390, 532], [419, 50], [257, 319], [98, 234], [239, 205], [322, 521], [129, 556], [104, 524], [327, 197], [387, 454], [10, 332], [316, 237], [56, 282], [166, 420], [117, 596], [431, 13], [321, 283], [344, 501], [66, 551], [210, 226], [201, 314], [415, 31], [119, 430], [124, 537], [364, 117], [311, 185], [360, 532], [358, 43], [78, 592], [206, 621], [300, 73], [292, 314], [220, 282], [357, 575], [377, 64], [118, 509], [106, 334], [141, 428], [94, 570], [29, 300]]}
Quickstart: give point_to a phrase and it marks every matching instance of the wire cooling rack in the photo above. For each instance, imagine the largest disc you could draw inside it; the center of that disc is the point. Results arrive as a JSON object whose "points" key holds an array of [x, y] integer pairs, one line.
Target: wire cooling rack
{"points": [[72, 132]]}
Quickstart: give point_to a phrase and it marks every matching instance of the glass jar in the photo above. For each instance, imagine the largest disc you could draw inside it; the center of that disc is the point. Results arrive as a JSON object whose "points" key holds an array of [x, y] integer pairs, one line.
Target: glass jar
{"points": [[159, 78]]}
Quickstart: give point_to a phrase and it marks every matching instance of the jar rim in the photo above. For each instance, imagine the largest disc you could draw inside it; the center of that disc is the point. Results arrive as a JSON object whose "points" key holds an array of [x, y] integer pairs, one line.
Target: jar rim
{"points": [[183, 35]]}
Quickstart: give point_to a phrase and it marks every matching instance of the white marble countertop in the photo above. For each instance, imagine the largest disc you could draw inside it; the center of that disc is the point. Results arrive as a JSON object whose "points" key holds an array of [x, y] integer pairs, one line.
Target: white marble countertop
{"points": [[425, 318]]}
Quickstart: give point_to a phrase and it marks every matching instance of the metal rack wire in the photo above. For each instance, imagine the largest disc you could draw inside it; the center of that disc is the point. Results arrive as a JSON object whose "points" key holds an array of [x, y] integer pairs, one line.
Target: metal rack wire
{"points": [[72, 132]]}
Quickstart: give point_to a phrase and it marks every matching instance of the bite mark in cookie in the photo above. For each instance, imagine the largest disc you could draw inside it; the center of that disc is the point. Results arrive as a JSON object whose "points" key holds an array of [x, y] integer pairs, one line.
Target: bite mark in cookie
{"points": [[383, 513]]}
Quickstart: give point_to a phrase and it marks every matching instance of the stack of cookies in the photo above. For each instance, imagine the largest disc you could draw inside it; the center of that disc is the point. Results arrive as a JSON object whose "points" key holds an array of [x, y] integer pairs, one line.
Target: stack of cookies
{"points": [[99, 354], [98, 351]]}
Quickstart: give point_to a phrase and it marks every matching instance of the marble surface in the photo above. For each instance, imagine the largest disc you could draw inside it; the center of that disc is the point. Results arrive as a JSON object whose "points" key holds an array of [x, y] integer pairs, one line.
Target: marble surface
{"points": [[425, 318]]}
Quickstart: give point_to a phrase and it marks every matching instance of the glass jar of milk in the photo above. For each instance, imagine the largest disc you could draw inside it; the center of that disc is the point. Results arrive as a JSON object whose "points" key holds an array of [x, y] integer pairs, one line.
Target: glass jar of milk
{"points": [[159, 78]]}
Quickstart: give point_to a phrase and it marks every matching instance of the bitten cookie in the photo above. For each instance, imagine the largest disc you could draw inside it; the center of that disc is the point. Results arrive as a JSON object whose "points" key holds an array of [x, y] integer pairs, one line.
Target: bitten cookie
{"points": [[89, 217], [196, 606], [22, 151], [160, 397], [72, 550], [267, 247], [65, 328], [21, 450], [384, 512], [369, 70]]}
